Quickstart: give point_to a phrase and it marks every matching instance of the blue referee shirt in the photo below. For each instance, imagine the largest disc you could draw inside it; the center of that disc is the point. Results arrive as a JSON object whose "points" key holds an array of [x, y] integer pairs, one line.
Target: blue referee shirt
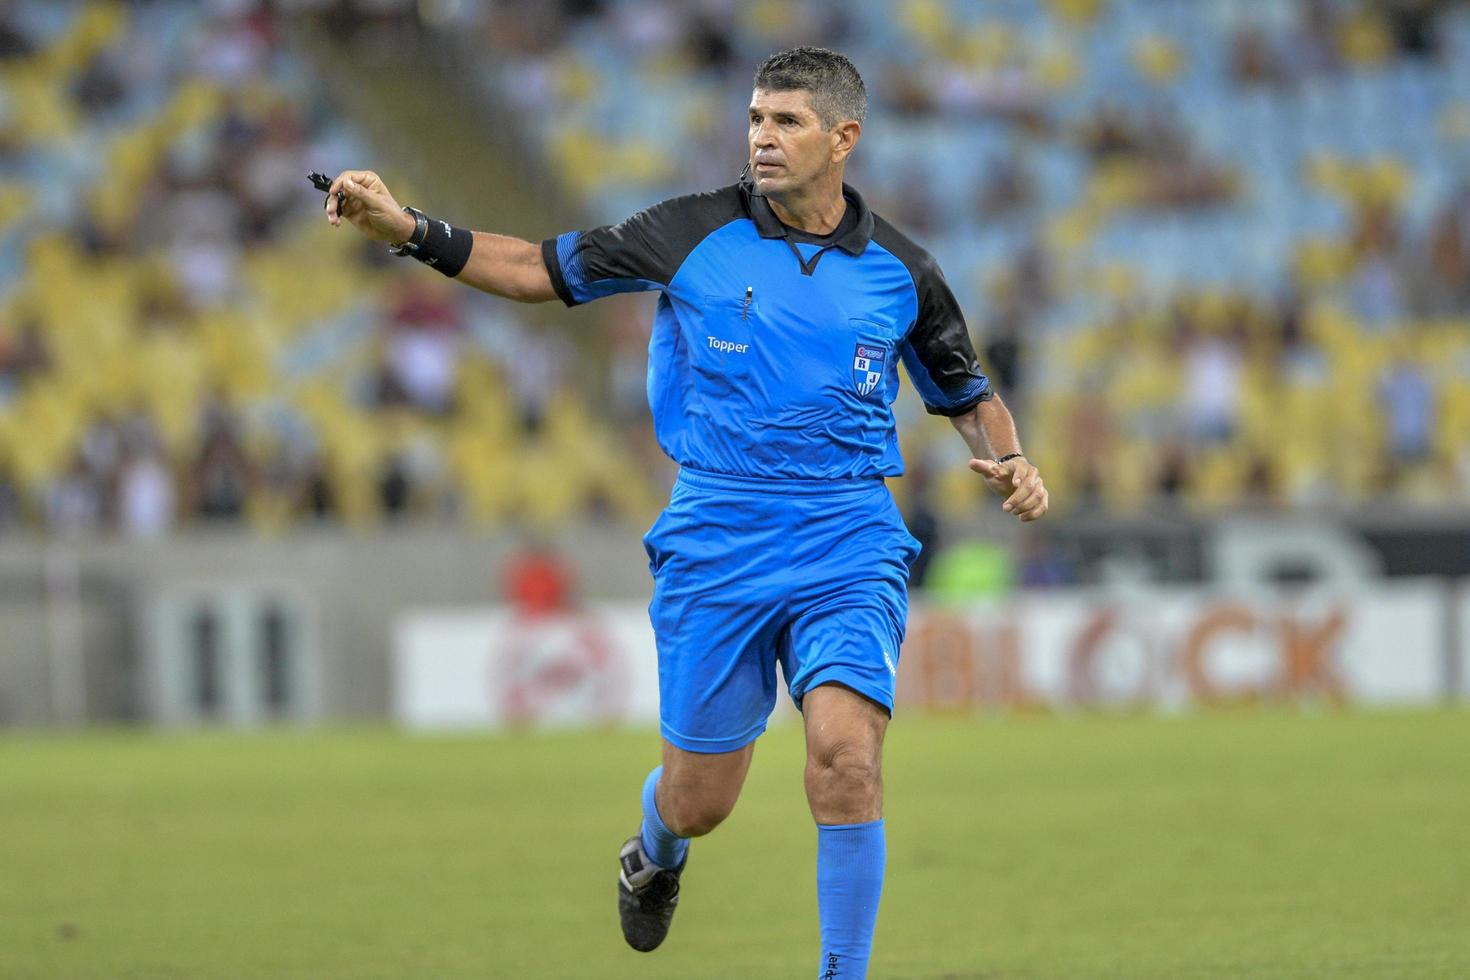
{"points": [[774, 352]]}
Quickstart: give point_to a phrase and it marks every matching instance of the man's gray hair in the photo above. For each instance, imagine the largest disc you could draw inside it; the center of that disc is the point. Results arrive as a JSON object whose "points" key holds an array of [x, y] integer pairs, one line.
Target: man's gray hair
{"points": [[836, 88]]}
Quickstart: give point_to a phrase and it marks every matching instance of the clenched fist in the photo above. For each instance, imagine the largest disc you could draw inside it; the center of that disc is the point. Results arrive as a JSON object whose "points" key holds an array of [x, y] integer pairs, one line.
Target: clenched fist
{"points": [[369, 207]]}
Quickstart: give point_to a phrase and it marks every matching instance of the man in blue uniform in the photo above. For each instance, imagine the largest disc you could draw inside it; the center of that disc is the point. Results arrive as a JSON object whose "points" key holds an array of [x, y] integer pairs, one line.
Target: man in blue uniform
{"points": [[785, 306]]}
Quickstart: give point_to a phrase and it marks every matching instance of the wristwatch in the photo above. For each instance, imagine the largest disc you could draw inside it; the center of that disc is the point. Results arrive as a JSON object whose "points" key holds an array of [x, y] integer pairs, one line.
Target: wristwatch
{"points": [[420, 232]]}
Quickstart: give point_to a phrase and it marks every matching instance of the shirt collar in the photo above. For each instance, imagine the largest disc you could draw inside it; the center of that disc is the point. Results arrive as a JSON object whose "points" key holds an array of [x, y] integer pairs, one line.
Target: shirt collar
{"points": [[853, 242]]}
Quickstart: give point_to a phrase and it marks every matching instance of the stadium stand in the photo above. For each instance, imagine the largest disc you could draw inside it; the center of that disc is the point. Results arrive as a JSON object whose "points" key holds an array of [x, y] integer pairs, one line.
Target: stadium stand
{"points": [[1219, 254], [183, 340], [1219, 251]]}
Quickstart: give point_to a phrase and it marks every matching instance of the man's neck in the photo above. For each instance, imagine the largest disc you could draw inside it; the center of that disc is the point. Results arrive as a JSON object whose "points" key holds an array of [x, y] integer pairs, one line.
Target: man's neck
{"points": [[818, 213]]}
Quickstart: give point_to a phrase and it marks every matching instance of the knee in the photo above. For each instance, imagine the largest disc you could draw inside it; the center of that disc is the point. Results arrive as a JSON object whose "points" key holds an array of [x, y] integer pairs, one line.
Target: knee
{"points": [[842, 767], [694, 817]]}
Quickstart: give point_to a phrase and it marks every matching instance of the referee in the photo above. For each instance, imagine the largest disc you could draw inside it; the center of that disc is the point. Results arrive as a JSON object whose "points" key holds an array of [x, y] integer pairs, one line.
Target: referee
{"points": [[784, 307]]}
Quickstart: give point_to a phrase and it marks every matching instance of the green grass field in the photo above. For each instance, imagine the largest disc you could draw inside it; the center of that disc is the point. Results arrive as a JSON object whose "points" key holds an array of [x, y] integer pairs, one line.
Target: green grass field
{"points": [[1236, 845]]}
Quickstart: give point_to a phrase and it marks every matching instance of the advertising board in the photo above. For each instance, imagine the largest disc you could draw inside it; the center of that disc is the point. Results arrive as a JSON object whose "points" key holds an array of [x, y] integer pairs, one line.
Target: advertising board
{"points": [[1170, 649]]}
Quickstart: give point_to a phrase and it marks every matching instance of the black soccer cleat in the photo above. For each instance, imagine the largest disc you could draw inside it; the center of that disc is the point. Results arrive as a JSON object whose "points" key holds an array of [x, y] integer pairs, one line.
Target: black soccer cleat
{"points": [[647, 896]]}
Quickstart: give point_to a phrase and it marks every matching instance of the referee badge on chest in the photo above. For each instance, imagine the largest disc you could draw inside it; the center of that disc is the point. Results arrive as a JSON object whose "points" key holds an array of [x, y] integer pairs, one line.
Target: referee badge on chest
{"points": [[867, 368]]}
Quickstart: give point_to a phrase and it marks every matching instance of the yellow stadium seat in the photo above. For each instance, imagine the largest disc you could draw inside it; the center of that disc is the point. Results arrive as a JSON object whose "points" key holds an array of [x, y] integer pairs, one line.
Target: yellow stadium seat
{"points": [[927, 21], [1077, 12], [1057, 68], [1157, 58], [1364, 38], [1128, 484], [990, 46]]}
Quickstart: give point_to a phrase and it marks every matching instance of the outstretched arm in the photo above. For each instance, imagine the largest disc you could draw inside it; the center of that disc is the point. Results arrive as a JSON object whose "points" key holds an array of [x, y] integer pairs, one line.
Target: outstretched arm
{"points": [[990, 432], [497, 264]]}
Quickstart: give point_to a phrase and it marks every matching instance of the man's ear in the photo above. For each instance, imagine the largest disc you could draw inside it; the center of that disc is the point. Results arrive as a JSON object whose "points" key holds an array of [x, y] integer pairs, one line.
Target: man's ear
{"points": [[844, 138]]}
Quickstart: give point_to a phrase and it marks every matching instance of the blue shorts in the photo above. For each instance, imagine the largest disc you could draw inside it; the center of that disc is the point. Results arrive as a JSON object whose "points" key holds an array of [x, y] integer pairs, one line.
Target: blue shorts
{"points": [[812, 574]]}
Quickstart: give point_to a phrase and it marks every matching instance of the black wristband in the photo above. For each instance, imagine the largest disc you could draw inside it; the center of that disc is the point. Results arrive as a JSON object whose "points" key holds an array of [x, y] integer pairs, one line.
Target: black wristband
{"points": [[437, 244], [1010, 456]]}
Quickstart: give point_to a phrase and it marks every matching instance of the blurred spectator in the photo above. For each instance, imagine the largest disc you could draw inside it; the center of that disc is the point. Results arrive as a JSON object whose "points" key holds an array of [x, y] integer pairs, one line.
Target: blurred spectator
{"points": [[74, 500], [1173, 474], [145, 494], [14, 43], [395, 489], [319, 498], [1376, 291], [971, 570], [534, 369], [538, 581], [199, 223], [1090, 444], [1407, 396], [1211, 387], [268, 179], [422, 351], [627, 364], [917, 205], [1262, 486], [232, 49], [1414, 25], [1044, 564], [23, 355], [222, 475], [1002, 349], [1006, 90], [906, 90], [1109, 132], [1006, 189], [708, 44], [922, 520], [1172, 172], [1287, 318], [12, 505], [1446, 282], [1313, 49], [102, 451], [1254, 60], [101, 86], [1031, 279], [1377, 285]]}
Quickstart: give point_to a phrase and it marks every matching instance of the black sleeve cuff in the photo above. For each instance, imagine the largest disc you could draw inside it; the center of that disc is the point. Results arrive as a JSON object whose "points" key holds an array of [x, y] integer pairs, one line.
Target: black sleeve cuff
{"points": [[956, 411], [553, 269]]}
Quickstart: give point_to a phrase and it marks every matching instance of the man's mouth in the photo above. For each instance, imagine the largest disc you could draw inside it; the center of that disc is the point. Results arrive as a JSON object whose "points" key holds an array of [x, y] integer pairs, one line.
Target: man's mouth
{"points": [[765, 165]]}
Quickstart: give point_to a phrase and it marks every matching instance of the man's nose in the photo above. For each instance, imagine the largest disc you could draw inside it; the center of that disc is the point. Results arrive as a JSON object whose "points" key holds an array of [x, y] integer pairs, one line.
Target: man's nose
{"points": [[764, 136]]}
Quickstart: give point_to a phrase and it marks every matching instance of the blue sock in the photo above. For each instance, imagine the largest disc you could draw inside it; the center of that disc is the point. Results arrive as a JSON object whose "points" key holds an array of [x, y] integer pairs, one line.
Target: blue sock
{"points": [[663, 847], [850, 861]]}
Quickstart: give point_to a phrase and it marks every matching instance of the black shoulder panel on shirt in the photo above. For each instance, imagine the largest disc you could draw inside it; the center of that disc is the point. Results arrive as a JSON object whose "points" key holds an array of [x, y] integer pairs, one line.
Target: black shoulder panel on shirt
{"points": [[940, 340], [652, 243]]}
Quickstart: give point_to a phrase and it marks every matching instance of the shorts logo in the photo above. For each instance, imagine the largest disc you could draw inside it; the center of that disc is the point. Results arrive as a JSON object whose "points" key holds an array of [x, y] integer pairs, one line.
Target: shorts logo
{"points": [[867, 368]]}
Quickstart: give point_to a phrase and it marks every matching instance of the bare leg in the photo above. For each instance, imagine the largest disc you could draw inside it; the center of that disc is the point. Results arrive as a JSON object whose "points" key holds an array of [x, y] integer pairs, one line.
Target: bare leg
{"points": [[698, 790], [844, 787], [844, 755], [688, 796]]}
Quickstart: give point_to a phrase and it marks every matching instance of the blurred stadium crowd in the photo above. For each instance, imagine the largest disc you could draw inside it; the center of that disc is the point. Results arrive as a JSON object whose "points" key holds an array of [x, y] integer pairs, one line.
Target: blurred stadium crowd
{"points": [[184, 340], [1216, 253], [1219, 251]]}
